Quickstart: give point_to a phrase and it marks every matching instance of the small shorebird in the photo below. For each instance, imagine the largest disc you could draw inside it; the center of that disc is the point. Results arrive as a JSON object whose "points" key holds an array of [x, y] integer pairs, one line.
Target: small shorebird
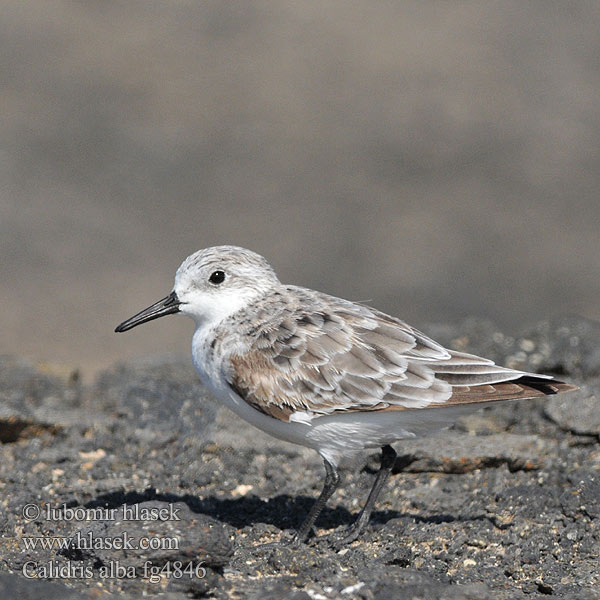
{"points": [[324, 372]]}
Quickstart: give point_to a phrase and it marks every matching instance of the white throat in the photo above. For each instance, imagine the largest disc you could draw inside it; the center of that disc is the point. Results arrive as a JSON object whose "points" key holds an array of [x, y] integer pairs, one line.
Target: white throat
{"points": [[208, 311]]}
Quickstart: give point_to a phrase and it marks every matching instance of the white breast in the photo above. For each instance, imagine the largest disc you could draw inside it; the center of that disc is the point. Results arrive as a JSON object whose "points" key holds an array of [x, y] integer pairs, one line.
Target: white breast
{"points": [[210, 368]]}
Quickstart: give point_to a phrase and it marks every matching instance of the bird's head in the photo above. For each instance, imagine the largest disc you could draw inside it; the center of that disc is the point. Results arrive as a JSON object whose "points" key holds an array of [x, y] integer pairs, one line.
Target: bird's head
{"points": [[210, 285]]}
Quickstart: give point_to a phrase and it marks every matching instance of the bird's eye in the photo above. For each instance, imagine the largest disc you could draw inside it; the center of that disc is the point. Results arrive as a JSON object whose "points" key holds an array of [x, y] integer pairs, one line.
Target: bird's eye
{"points": [[217, 277]]}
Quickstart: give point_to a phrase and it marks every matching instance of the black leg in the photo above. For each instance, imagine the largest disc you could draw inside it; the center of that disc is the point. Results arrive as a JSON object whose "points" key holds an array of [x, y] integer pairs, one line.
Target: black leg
{"points": [[332, 480], [388, 458]]}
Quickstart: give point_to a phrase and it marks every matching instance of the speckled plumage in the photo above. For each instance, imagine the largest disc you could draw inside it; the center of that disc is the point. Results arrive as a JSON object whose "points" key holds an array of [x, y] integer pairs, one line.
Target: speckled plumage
{"points": [[315, 353], [320, 371]]}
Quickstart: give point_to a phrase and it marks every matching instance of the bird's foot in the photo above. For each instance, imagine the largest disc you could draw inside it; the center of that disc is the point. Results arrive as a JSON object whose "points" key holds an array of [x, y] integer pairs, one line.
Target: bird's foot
{"points": [[337, 539]]}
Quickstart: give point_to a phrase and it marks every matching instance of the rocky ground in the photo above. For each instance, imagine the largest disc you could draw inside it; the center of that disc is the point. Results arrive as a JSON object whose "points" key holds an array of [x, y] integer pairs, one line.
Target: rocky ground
{"points": [[504, 505]]}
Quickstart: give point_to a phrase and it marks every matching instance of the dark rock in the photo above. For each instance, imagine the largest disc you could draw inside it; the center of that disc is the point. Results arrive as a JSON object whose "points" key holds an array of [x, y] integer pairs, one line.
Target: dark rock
{"points": [[581, 594], [562, 346], [397, 583], [34, 401], [479, 336], [186, 550], [565, 346], [578, 411], [400, 556], [504, 506], [161, 399], [488, 420], [434, 591], [17, 586], [583, 496], [451, 452], [304, 562], [25, 386], [276, 590], [179, 534]]}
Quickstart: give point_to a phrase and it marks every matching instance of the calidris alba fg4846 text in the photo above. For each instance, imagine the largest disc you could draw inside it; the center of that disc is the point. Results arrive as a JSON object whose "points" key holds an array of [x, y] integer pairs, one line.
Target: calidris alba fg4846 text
{"points": [[324, 372]]}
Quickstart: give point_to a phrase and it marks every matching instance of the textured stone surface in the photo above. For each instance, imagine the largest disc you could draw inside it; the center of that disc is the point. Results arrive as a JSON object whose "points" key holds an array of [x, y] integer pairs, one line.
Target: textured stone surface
{"points": [[504, 505], [579, 412], [197, 536], [460, 454], [568, 345], [16, 586]]}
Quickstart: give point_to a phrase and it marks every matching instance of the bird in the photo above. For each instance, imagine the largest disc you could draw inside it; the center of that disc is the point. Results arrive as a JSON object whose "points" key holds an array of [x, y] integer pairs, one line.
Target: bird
{"points": [[330, 374]]}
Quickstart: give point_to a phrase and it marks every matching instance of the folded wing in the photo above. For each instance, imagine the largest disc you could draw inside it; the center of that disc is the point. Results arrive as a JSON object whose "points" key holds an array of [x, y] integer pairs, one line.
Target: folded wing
{"points": [[322, 355]]}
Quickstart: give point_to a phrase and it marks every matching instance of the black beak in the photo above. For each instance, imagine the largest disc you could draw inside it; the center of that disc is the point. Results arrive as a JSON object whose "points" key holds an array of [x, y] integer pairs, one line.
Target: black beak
{"points": [[166, 306]]}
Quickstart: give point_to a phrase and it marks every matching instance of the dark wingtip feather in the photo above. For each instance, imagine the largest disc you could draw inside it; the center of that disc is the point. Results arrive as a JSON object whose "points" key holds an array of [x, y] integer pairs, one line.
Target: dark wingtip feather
{"points": [[546, 386]]}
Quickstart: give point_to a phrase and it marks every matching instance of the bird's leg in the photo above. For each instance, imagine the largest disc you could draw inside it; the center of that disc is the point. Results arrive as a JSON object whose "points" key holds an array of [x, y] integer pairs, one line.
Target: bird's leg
{"points": [[332, 480], [388, 458]]}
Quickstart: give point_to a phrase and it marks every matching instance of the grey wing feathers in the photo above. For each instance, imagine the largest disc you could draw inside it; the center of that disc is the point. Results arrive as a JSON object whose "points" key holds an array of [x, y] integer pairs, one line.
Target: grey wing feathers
{"points": [[327, 355]]}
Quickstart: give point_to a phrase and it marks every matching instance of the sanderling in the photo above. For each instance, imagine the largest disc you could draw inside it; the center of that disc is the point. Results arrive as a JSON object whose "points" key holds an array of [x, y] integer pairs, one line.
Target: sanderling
{"points": [[324, 372]]}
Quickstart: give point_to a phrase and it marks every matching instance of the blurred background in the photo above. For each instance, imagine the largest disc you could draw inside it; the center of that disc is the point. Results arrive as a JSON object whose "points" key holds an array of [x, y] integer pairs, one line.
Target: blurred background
{"points": [[436, 159]]}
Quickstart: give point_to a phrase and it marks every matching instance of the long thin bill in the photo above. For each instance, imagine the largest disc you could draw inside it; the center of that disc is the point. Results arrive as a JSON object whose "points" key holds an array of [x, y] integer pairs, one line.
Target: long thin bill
{"points": [[167, 306]]}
